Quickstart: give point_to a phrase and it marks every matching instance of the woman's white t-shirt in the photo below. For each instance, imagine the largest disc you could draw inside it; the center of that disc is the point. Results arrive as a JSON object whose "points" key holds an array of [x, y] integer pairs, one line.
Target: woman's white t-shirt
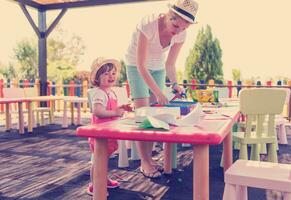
{"points": [[155, 53]]}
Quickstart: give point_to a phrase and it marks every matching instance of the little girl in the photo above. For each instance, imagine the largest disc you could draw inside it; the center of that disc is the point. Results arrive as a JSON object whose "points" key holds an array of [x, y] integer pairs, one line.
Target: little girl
{"points": [[104, 104]]}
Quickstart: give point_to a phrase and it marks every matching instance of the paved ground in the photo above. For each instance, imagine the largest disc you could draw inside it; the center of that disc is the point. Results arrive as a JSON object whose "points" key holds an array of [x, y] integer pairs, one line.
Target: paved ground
{"points": [[52, 164]]}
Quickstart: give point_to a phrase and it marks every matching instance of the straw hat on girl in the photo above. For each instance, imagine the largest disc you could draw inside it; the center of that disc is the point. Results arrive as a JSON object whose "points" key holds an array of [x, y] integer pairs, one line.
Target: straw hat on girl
{"points": [[98, 63]]}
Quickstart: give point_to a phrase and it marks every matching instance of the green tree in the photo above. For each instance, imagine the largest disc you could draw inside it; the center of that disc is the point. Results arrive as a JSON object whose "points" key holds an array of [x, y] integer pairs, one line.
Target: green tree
{"points": [[8, 72], [204, 60], [25, 53], [60, 70], [64, 54], [236, 75], [122, 75]]}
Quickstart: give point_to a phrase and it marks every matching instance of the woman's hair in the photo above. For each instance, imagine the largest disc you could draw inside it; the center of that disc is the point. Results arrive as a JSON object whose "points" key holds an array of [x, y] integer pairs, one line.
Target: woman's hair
{"points": [[105, 68], [172, 16]]}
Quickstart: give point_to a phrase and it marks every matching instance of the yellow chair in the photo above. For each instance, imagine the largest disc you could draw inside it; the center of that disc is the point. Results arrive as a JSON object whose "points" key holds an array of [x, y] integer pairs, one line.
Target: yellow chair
{"points": [[259, 105]]}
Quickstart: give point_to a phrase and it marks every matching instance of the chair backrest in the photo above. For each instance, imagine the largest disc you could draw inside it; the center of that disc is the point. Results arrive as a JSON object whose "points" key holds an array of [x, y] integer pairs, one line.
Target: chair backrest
{"points": [[286, 105], [262, 101], [261, 105], [13, 93], [89, 96], [31, 92]]}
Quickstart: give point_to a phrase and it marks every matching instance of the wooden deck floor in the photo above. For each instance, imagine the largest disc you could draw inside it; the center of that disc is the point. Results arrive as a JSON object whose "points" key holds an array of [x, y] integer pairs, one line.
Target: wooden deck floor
{"points": [[53, 164]]}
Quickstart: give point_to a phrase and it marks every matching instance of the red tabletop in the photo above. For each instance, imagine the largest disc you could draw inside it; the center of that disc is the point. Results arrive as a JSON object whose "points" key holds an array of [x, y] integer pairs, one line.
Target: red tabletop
{"points": [[205, 132]]}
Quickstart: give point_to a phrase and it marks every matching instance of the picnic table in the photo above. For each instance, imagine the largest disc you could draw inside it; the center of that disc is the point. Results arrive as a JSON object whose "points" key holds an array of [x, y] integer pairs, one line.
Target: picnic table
{"points": [[209, 131]]}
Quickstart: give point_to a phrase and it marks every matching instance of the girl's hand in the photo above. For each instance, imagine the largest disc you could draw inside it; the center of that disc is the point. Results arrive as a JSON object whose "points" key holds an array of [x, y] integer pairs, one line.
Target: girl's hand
{"points": [[162, 99], [119, 112], [127, 107]]}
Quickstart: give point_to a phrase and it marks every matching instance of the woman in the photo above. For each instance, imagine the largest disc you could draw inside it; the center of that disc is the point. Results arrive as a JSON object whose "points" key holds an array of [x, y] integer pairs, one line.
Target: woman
{"points": [[147, 66]]}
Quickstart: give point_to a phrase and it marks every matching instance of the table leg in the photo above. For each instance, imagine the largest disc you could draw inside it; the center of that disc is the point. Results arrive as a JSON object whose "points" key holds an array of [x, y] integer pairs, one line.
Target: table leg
{"points": [[52, 110], [7, 116], [65, 116], [72, 113], [20, 118], [168, 158], [30, 117], [78, 113], [227, 151], [201, 172], [100, 168]]}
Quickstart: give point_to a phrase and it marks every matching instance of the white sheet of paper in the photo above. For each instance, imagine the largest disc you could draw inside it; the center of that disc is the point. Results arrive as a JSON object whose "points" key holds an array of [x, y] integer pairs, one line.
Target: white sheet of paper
{"points": [[156, 123], [191, 118], [143, 112], [168, 118]]}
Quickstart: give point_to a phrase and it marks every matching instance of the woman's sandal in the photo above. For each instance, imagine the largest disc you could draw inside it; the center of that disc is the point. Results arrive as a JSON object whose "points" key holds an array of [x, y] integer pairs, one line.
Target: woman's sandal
{"points": [[155, 174]]}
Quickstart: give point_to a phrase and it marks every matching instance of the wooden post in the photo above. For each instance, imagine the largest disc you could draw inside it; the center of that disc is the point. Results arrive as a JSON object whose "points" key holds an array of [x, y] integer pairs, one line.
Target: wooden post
{"points": [[84, 94], [193, 82], [48, 91], [37, 86], [289, 106], [248, 83], [238, 87], [59, 92], [15, 83], [229, 83], [1, 94], [25, 83], [66, 87], [72, 88], [211, 83]]}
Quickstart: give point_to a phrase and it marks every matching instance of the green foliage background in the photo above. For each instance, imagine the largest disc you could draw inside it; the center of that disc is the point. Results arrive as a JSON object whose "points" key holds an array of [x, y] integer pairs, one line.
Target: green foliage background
{"points": [[63, 56], [204, 60]]}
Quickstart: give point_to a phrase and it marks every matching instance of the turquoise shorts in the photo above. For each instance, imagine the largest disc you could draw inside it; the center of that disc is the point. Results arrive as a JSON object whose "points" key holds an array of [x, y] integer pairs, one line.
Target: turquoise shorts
{"points": [[138, 87]]}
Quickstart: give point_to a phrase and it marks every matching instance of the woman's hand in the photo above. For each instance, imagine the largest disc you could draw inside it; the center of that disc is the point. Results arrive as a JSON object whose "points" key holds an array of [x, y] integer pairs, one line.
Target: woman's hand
{"points": [[178, 90], [162, 99]]}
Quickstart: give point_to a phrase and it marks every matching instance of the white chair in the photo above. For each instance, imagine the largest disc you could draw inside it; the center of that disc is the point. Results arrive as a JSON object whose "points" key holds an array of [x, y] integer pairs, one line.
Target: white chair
{"points": [[265, 175], [281, 122]]}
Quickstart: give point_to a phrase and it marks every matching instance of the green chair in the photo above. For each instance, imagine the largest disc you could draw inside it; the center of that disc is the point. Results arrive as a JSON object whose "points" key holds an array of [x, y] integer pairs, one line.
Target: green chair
{"points": [[259, 105]]}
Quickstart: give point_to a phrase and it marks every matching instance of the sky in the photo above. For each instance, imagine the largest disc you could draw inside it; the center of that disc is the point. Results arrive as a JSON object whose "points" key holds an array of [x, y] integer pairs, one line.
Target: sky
{"points": [[255, 35]]}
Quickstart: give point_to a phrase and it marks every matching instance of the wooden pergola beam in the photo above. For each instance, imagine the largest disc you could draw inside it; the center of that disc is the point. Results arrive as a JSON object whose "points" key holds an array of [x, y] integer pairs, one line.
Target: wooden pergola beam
{"points": [[61, 4]]}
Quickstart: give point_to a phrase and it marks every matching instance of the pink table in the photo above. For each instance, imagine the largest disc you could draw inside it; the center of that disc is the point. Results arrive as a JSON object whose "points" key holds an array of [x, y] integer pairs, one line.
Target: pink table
{"points": [[207, 132]]}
